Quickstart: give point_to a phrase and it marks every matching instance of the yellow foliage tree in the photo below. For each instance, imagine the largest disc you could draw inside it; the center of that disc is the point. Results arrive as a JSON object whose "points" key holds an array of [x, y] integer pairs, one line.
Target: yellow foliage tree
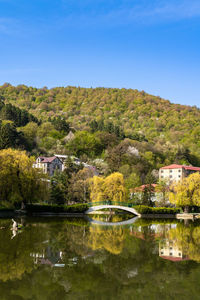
{"points": [[114, 189], [19, 181], [97, 189], [187, 192], [109, 189]]}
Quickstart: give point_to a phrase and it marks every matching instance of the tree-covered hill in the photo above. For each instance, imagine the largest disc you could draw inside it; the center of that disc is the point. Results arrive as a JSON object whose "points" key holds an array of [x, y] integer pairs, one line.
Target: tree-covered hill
{"points": [[116, 130], [138, 113]]}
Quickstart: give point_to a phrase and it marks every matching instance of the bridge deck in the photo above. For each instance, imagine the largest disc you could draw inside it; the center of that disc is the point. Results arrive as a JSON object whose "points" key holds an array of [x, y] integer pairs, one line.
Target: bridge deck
{"points": [[92, 209]]}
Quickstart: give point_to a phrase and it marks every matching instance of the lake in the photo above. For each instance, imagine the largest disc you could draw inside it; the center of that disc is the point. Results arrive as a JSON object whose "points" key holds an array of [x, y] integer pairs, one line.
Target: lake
{"points": [[73, 258]]}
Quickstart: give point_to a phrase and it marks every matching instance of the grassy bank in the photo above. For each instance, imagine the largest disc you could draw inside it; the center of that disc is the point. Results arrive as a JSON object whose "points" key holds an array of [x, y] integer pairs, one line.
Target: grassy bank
{"points": [[146, 210]]}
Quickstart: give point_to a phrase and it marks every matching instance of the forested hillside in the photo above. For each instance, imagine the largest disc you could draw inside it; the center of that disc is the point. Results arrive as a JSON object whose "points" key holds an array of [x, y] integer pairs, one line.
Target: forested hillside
{"points": [[117, 129], [137, 112]]}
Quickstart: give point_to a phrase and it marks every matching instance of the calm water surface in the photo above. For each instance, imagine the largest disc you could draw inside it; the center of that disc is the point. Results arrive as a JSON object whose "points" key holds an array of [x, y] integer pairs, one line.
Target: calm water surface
{"points": [[75, 259]]}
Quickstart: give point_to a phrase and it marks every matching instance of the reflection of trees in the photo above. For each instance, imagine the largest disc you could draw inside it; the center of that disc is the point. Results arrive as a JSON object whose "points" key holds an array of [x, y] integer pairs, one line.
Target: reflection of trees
{"points": [[187, 238], [71, 239], [134, 273], [15, 257], [110, 239]]}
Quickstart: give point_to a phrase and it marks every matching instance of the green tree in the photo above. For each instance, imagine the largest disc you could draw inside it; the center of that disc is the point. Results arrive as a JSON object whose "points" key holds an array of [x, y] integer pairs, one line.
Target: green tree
{"points": [[85, 143], [79, 185], [163, 189]]}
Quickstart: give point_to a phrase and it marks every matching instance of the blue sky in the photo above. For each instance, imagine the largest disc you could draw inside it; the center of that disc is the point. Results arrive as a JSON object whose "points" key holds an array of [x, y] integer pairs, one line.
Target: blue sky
{"points": [[151, 45]]}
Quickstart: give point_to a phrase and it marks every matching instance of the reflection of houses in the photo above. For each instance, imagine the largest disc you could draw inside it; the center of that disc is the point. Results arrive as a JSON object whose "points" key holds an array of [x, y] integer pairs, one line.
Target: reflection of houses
{"points": [[48, 164], [48, 257], [176, 172], [169, 250]]}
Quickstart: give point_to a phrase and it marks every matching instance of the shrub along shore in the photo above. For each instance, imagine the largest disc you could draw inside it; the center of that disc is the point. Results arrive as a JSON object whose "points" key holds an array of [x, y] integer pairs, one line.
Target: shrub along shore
{"points": [[80, 209]]}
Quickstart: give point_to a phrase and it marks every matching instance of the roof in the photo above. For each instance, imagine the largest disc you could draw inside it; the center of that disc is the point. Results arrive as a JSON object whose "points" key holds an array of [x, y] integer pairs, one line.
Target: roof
{"points": [[175, 166], [47, 159], [174, 258], [142, 187]]}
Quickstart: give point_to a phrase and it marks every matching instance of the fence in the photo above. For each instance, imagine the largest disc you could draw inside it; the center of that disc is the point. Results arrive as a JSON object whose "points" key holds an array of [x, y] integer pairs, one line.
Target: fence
{"points": [[108, 202]]}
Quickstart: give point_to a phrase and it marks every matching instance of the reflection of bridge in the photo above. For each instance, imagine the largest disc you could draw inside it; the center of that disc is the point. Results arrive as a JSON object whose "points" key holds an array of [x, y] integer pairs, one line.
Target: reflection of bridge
{"points": [[110, 204], [127, 222]]}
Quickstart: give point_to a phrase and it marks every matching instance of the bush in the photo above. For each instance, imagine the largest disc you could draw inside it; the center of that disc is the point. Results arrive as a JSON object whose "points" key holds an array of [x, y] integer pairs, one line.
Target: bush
{"points": [[5, 209], [156, 210], [44, 208]]}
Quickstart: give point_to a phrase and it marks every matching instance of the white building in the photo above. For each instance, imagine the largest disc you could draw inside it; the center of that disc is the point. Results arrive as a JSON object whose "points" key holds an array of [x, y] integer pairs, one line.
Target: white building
{"points": [[175, 173]]}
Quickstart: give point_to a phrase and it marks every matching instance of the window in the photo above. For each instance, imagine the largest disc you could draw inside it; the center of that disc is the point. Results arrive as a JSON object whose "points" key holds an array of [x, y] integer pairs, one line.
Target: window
{"points": [[170, 248], [161, 253], [170, 254], [162, 176], [179, 170], [162, 171], [179, 176], [170, 171], [170, 176], [179, 254]]}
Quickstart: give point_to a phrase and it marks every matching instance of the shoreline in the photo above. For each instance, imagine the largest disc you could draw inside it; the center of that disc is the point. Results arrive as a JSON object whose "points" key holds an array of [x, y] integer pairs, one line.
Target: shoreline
{"points": [[11, 214]]}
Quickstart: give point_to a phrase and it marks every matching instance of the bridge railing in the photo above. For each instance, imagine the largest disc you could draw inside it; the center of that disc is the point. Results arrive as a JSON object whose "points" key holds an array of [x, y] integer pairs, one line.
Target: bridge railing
{"points": [[90, 204]]}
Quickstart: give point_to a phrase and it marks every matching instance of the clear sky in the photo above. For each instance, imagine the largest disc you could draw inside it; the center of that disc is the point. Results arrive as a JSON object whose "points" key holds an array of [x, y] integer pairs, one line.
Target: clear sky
{"points": [[150, 45]]}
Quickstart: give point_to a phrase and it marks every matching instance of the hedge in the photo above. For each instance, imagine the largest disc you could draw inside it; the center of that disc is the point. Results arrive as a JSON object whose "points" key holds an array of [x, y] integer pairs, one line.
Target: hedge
{"points": [[45, 208], [156, 210], [5, 209]]}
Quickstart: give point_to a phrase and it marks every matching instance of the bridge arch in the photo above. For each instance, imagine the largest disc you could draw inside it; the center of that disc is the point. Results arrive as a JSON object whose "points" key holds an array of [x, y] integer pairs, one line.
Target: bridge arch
{"points": [[102, 223], [92, 209]]}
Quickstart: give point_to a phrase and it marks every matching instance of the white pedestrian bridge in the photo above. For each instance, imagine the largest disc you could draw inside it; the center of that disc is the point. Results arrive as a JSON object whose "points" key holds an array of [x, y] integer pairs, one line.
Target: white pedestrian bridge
{"points": [[111, 205]]}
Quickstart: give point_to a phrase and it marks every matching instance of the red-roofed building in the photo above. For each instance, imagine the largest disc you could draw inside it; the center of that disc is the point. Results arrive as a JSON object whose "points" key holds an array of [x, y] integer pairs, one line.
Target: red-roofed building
{"points": [[48, 164], [176, 172], [146, 186], [153, 194]]}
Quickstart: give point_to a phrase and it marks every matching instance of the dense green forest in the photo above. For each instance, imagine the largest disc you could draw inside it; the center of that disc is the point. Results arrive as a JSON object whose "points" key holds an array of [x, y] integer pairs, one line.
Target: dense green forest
{"points": [[123, 130]]}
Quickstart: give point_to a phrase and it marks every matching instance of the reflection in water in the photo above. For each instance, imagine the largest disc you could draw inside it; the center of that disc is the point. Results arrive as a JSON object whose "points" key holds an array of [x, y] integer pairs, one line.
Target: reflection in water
{"points": [[72, 259], [168, 249], [109, 239], [112, 220], [48, 257]]}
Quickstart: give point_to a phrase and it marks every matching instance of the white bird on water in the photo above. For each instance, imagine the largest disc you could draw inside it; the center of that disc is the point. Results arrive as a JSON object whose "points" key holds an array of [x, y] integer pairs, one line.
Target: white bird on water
{"points": [[15, 225]]}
